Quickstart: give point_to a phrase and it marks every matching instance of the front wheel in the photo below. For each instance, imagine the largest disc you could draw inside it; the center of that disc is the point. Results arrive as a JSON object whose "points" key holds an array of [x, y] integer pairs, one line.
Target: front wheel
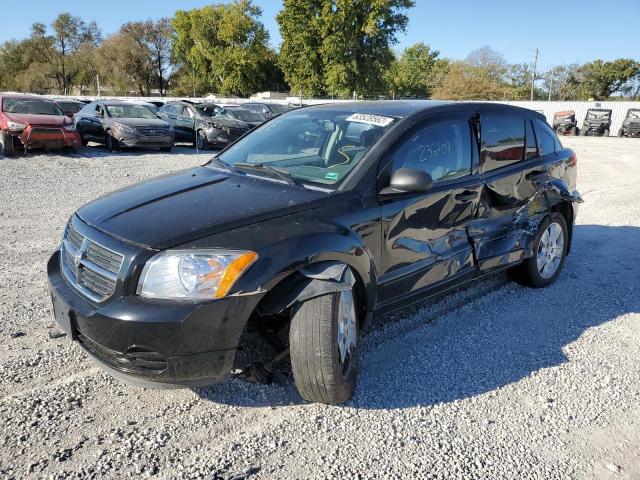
{"points": [[583, 132], [605, 133], [6, 145], [323, 341], [201, 140], [110, 142], [549, 253]]}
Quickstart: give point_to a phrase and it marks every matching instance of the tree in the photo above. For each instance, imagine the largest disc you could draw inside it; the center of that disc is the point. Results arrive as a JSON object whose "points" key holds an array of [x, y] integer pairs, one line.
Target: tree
{"points": [[599, 80], [226, 45], [14, 61], [489, 60], [300, 22], [338, 47], [558, 82], [470, 82], [158, 36], [59, 51], [411, 74]]}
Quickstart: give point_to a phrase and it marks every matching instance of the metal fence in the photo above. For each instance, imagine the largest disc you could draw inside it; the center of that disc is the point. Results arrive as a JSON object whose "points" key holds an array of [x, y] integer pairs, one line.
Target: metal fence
{"points": [[619, 109]]}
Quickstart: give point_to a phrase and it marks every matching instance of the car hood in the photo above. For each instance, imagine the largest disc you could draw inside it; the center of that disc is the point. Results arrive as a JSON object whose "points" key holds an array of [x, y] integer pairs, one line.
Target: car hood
{"points": [[227, 122], [31, 119], [174, 209], [141, 122]]}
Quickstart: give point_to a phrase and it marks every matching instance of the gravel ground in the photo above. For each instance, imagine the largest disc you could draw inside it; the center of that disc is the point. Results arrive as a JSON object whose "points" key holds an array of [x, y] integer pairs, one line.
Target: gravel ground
{"points": [[493, 381]]}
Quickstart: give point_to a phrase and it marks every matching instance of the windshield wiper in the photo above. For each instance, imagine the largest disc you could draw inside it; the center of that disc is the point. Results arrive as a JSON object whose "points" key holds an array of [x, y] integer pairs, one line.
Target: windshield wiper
{"points": [[281, 174]]}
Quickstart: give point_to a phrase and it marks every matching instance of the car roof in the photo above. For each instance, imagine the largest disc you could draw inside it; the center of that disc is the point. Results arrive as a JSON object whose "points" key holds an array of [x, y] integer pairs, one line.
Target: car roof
{"points": [[406, 108], [599, 110], [565, 112]]}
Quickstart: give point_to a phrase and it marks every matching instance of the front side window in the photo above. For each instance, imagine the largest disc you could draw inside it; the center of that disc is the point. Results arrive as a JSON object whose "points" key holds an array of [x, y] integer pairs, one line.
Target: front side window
{"points": [[31, 106], [443, 150], [502, 141], [309, 145]]}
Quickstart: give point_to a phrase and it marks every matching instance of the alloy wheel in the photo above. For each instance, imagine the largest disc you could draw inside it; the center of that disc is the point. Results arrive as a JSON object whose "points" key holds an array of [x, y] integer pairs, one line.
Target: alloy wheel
{"points": [[347, 330], [550, 250]]}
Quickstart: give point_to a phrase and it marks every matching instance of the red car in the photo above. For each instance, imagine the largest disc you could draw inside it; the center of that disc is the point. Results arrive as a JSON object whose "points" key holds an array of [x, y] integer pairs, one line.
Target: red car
{"points": [[34, 122]]}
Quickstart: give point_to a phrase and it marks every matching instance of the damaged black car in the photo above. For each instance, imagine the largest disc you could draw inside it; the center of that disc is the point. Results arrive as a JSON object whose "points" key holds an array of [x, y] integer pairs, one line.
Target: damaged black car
{"points": [[304, 230]]}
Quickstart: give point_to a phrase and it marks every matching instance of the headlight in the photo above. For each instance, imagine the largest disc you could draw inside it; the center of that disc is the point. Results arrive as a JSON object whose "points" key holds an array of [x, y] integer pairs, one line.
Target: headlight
{"points": [[16, 127], [70, 128], [193, 274], [124, 128]]}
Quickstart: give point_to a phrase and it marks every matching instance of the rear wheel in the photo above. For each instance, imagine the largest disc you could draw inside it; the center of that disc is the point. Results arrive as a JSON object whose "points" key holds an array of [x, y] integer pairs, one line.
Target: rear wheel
{"points": [[605, 133], [323, 343], [583, 132], [6, 145], [574, 131], [621, 132], [549, 252], [84, 141]]}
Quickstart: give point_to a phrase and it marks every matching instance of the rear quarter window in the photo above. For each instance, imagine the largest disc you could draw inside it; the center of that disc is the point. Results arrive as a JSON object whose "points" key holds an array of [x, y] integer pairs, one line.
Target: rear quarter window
{"points": [[547, 140], [503, 140]]}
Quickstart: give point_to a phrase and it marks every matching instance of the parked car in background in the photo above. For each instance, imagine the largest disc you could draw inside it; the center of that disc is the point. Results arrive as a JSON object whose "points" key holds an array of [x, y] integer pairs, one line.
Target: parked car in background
{"points": [[150, 105], [267, 109], [69, 106], [597, 122], [244, 114], [34, 122], [118, 124], [631, 124], [565, 123], [331, 215], [203, 124]]}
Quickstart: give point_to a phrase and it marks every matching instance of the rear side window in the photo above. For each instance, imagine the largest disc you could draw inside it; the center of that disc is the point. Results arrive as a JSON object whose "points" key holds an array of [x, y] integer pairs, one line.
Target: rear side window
{"points": [[547, 140], [443, 150], [532, 149], [502, 141]]}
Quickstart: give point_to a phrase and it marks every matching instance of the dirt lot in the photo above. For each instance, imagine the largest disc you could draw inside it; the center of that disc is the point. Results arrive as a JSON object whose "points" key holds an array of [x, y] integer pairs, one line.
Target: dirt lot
{"points": [[495, 381]]}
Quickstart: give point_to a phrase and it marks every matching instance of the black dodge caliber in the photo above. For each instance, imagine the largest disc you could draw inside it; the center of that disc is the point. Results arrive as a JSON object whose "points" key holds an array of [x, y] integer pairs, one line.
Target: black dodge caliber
{"points": [[311, 224]]}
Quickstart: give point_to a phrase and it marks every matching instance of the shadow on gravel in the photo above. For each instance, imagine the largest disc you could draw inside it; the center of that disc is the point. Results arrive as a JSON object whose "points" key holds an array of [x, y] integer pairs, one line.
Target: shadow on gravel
{"points": [[498, 339]]}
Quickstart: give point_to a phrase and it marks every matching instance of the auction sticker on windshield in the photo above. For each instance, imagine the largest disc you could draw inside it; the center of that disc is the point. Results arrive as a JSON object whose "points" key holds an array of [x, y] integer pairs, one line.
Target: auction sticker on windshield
{"points": [[378, 120]]}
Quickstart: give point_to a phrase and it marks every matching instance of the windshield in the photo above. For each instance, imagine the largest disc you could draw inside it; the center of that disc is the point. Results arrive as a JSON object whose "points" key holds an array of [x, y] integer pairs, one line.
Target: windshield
{"points": [[72, 107], [30, 106], [130, 111], [633, 114], [597, 115], [245, 115], [320, 146], [209, 110]]}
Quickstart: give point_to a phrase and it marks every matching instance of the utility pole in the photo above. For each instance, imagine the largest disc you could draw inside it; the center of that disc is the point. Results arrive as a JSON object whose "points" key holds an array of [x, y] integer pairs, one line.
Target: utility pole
{"points": [[533, 75], [98, 84], [550, 86]]}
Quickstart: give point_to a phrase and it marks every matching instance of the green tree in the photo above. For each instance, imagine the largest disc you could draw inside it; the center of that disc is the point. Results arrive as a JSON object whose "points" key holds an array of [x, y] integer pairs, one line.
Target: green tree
{"points": [[599, 80], [226, 45], [338, 47], [14, 61], [470, 82], [559, 83], [412, 74], [300, 58]]}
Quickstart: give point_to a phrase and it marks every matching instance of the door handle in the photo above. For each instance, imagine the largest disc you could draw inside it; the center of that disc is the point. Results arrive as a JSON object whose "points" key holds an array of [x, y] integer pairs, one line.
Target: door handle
{"points": [[466, 195]]}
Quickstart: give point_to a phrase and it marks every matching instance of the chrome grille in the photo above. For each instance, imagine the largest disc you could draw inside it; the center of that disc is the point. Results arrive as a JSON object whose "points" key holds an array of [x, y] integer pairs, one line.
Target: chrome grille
{"points": [[153, 132], [88, 266]]}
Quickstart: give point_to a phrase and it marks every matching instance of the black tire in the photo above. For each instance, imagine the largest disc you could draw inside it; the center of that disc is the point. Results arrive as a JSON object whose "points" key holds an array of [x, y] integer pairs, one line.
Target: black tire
{"points": [[201, 142], [110, 142], [84, 141], [621, 132], [318, 371], [574, 131], [166, 149], [583, 132], [605, 133], [528, 272], [7, 147]]}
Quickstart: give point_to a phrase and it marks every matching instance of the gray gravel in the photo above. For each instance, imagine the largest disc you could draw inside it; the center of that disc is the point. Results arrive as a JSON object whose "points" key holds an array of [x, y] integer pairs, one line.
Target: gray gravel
{"points": [[493, 381]]}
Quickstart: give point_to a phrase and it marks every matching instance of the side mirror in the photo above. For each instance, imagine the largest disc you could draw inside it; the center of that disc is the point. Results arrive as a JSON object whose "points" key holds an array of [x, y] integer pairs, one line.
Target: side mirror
{"points": [[408, 180]]}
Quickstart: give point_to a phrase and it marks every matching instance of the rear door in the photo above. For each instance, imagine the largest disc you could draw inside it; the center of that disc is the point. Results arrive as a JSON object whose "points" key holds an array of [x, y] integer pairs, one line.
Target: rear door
{"points": [[424, 238], [513, 175]]}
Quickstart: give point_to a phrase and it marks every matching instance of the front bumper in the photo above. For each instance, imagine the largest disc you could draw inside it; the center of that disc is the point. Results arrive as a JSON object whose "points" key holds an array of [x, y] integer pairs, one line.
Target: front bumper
{"points": [[137, 140], [46, 137], [222, 137], [154, 343]]}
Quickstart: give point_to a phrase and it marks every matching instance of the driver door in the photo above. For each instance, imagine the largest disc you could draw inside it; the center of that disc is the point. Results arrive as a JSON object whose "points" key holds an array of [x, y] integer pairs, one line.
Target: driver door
{"points": [[424, 237]]}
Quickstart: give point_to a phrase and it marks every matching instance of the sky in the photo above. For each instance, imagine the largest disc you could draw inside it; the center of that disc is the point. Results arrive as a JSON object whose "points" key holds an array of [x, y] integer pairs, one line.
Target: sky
{"points": [[564, 31]]}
